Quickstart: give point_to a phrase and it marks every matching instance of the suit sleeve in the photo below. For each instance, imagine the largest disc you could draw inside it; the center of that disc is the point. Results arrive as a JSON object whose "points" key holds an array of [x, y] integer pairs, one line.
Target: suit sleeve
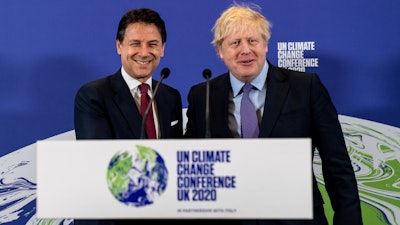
{"points": [[339, 177]]}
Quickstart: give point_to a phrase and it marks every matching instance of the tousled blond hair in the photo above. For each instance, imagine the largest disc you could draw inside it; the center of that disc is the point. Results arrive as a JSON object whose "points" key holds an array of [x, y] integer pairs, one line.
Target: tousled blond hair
{"points": [[238, 18]]}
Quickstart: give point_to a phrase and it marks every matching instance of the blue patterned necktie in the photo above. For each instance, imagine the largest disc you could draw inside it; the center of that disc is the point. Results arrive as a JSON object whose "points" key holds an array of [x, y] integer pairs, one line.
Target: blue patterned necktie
{"points": [[248, 115]]}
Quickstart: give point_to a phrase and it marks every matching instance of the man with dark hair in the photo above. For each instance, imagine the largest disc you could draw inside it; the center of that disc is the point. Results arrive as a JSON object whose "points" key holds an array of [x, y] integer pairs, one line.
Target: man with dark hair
{"points": [[110, 107]]}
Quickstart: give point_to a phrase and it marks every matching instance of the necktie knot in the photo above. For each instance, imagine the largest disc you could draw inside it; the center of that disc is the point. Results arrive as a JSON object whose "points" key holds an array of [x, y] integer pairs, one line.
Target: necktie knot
{"points": [[247, 87], [144, 88]]}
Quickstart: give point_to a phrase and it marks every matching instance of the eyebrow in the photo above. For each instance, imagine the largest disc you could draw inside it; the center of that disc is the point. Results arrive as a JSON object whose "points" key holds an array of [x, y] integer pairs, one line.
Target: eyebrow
{"points": [[137, 40]]}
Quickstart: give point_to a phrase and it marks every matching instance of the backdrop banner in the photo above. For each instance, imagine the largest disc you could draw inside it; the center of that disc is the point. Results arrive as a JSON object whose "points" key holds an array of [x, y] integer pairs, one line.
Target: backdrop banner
{"points": [[219, 178], [49, 49]]}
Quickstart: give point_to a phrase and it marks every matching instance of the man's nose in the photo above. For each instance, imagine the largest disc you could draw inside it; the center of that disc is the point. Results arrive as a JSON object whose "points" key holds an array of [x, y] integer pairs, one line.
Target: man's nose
{"points": [[144, 50], [244, 48]]}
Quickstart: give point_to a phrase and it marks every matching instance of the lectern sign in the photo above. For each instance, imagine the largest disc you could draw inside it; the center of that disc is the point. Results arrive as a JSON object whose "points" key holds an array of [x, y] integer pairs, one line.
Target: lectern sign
{"points": [[197, 177], [175, 179]]}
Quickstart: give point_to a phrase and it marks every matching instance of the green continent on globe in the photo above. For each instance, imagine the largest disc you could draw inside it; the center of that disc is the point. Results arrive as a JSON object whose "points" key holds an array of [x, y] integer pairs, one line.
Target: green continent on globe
{"points": [[117, 174], [146, 154]]}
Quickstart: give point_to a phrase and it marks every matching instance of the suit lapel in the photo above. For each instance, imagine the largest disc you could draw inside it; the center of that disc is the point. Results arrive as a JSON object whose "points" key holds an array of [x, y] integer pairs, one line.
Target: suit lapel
{"points": [[160, 99], [125, 102], [277, 90], [219, 96]]}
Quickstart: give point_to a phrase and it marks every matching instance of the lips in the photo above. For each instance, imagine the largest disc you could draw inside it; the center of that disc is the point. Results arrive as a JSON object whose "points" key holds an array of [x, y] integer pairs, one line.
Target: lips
{"points": [[246, 62], [142, 62]]}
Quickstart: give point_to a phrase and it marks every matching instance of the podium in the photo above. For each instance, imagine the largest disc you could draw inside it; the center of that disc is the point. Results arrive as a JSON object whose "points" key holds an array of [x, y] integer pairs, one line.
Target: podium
{"points": [[175, 179]]}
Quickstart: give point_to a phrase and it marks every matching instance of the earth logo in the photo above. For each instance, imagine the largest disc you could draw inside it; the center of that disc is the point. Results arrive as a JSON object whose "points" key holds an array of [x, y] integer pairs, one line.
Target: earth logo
{"points": [[137, 177]]}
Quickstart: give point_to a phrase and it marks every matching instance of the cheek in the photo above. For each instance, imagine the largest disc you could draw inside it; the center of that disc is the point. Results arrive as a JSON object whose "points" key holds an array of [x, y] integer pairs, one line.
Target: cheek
{"points": [[122, 51], [225, 54], [160, 53]]}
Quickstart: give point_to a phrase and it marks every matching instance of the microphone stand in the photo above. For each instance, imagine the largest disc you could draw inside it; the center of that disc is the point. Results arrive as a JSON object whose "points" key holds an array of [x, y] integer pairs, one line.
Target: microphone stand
{"points": [[207, 75], [164, 74]]}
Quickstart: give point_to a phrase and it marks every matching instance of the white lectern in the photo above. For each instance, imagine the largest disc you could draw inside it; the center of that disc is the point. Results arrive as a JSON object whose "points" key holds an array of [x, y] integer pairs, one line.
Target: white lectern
{"points": [[202, 178]]}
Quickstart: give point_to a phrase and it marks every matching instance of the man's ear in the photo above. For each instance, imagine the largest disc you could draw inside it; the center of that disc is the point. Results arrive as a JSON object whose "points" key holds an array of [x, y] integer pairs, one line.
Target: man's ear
{"points": [[118, 47]]}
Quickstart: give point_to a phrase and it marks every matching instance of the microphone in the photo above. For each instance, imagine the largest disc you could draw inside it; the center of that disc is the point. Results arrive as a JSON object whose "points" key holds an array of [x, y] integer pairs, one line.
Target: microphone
{"points": [[207, 75], [164, 74]]}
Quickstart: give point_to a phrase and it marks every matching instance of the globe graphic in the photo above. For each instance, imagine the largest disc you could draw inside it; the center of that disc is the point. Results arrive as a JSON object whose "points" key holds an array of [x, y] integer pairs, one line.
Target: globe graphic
{"points": [[137, 177]]}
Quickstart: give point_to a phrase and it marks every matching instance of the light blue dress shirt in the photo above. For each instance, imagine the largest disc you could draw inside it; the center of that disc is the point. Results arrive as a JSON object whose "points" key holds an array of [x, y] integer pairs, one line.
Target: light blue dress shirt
{"points": [[257, 94]]}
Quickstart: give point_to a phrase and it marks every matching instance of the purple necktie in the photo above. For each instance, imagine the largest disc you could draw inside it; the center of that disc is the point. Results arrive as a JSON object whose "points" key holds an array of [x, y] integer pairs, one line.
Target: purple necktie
{"points": [[144, 102], [248, 115]]}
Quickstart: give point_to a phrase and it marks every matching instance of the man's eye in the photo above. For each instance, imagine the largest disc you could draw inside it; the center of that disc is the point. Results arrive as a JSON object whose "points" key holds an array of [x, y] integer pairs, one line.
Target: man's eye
{"points": [[235, 43], [253, 41]]}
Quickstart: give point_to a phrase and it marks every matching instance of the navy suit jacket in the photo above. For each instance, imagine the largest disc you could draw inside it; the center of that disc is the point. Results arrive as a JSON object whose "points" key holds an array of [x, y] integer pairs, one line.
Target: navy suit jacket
{"points": [[297, 105], [105, 109]]}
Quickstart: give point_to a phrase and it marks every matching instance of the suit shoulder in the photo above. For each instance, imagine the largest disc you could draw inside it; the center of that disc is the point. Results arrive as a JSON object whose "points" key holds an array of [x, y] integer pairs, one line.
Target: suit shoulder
{"points": [[293, 72], [98, 86], [169, 88], [296, 75], [99, 82]]}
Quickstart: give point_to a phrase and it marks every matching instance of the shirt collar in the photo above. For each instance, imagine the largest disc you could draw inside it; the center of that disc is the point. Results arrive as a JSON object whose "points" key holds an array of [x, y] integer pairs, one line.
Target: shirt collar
{"points": [[258, 82], [132, 82]]}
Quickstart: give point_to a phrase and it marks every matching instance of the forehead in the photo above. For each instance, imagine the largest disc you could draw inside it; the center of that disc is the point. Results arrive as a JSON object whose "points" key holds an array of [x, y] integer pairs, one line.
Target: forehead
{"points": [[242, 33], [142, 31]]}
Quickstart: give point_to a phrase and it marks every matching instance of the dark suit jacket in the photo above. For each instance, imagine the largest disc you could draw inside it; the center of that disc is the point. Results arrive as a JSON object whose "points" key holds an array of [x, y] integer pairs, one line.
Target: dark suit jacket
{"points": [[296, 105], [105, 109]]}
